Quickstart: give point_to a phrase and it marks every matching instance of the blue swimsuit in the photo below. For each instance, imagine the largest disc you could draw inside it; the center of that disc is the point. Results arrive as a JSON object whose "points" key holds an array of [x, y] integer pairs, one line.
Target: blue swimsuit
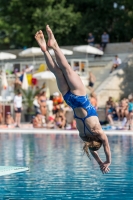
{"points": [[75, 101]]}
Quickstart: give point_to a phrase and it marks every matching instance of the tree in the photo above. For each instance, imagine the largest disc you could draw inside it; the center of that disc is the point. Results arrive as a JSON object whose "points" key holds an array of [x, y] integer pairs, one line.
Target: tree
{"points": [[71, 20], [100, 15]]}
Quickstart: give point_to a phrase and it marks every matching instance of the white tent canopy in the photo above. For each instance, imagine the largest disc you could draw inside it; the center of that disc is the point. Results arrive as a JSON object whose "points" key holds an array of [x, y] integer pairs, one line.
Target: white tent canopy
{"points": [[64, 51], [6, 56], [31, 52], [47, 75], [88, 49], [50, 80]]}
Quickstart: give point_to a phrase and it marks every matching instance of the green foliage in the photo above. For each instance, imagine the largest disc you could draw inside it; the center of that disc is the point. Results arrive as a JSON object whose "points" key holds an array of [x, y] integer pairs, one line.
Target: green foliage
{"points": [[21, 19], [71, 20], [28, 97]]}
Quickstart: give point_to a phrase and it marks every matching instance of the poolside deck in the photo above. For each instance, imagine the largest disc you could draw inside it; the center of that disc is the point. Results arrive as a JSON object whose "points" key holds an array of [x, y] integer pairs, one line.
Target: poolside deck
{"points": [[58, 131]]}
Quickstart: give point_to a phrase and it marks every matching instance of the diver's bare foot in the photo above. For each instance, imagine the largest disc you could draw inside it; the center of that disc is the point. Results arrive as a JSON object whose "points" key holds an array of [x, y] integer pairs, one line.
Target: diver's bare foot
{"points": [[51, 39], [41, 41]]}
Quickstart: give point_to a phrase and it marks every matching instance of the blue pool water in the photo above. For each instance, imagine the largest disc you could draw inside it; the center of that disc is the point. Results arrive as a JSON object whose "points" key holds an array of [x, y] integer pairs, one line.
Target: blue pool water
{"points": [[59, 170]]}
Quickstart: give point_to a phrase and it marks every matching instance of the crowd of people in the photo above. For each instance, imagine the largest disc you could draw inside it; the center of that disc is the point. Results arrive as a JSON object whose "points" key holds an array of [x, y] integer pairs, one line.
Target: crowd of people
{"points": [[48, 113], [53, 112], [121, 111]]}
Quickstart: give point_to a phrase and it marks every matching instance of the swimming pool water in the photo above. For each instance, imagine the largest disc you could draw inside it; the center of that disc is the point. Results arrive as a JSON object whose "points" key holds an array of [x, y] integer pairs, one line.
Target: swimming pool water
{"points": [[59, 170]]}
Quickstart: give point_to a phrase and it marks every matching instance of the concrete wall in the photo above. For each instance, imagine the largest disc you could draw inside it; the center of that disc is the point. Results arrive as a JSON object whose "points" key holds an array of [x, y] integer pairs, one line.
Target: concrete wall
{"points": [[119, 84], [112, 48], [116, 48]]}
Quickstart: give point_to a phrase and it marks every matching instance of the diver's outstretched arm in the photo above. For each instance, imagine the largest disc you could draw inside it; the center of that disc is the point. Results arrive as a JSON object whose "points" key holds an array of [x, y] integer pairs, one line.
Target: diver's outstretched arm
{"points": [[104, 166], [99, 161]]}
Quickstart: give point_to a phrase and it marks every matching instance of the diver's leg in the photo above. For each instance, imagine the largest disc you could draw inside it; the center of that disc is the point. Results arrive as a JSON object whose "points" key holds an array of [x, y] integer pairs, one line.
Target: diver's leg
{"points": [[72, 78], [61, 81]]}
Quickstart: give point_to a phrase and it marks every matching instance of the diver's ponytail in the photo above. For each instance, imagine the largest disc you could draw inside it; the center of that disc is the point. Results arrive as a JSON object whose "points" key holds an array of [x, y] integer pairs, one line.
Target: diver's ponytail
{"points": [[85, 149]]}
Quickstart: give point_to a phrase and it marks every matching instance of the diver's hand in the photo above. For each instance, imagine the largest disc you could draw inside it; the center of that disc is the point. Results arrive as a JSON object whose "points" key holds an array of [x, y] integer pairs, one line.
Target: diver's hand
{"points": [[105, 167]]}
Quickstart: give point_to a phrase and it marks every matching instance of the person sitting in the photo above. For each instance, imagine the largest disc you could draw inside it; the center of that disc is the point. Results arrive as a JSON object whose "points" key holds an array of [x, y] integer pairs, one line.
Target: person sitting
{"points": [[57, 102], [116, 63], [76, 66], [17, 84], [37, 121], [60, 119], [104, 40], [9, 120], [42, 101]]}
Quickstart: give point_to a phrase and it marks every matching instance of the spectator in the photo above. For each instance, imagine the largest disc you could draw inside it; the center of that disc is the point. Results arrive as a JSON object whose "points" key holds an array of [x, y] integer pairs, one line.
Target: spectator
{"points": [[98, 46], [73, 124], [57, 101], [91, 39], [116, 63], [42, 102], [76, 66], [111, 112], [130, 96], [104, 40], [93, 100], [36, 104], [91, 80], [1, 114], [60, 119], [82, 66], [69, 117], [18, 108], [28, 69], [123, 109], [17, 84], [21, 76], [9, 119], [37, 121], [51, 121], [130, 115]]}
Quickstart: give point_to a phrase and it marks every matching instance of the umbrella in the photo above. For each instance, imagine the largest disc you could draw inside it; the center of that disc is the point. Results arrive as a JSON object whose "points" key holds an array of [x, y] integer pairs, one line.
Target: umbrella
{"points": [[47, 75], [5, 56], [88, 49], [25, 82], [64, 51], [31, 52]]}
